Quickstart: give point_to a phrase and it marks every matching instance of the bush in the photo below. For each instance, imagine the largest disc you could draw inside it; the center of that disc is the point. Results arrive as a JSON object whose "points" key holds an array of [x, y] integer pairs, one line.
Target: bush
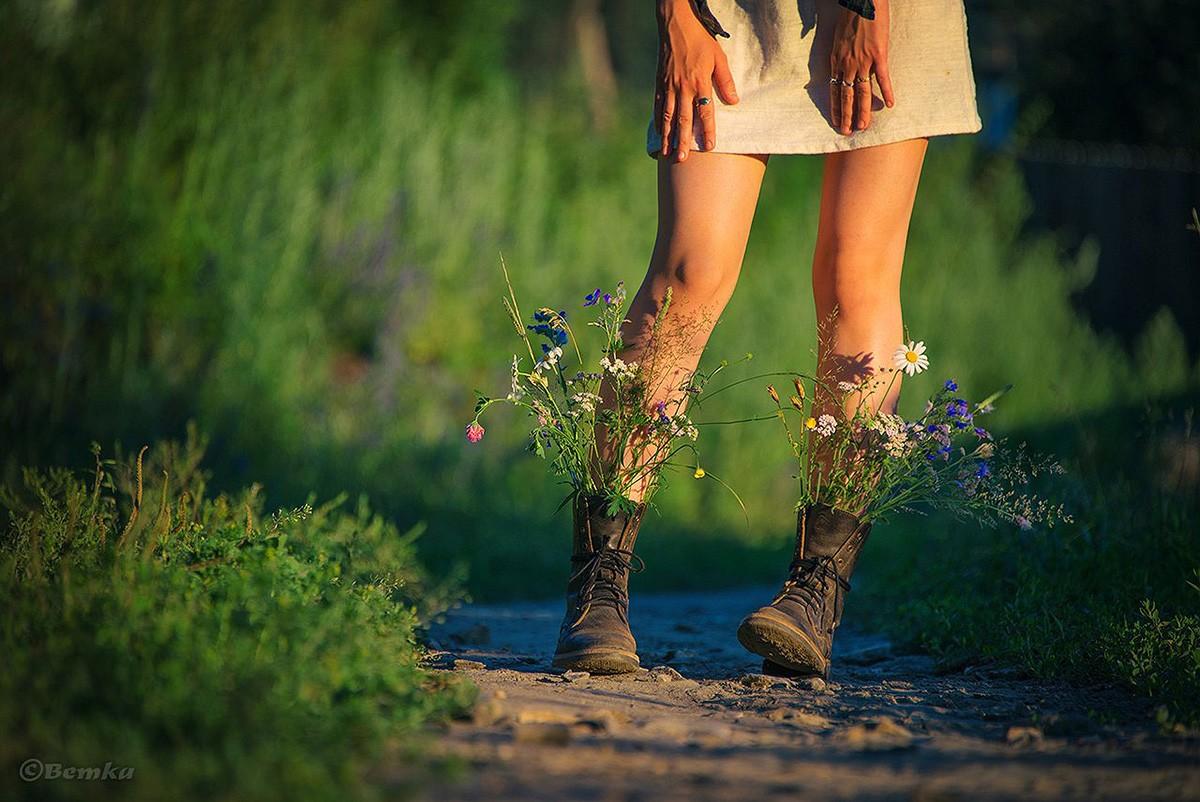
{"points": [[219, 652]]}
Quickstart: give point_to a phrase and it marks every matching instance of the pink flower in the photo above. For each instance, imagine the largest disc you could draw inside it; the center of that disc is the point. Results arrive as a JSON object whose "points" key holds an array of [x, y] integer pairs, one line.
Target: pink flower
{"points": [[474, 432]]}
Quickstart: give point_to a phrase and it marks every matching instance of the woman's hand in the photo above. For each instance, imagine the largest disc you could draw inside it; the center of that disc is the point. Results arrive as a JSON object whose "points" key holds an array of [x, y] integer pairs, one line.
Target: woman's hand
{"points": [[690, 64], [860, 48]]}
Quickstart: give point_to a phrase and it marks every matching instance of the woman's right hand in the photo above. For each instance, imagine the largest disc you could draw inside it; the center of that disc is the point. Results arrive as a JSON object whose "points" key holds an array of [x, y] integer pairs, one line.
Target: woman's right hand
{"points": [[690, 65]]}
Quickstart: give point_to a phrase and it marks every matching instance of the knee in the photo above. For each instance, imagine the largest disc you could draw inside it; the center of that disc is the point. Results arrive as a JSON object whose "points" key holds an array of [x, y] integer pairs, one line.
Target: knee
{"points": [[698, 280], [856, 284]]}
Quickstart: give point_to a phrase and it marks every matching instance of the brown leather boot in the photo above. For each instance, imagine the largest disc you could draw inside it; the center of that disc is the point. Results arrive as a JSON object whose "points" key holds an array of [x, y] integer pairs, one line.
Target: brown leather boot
{"points": [[595, 634], [795, 631]]}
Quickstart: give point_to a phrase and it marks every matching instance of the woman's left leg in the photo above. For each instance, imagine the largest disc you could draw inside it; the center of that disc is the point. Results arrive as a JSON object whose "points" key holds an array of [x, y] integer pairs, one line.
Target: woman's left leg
{"points": [[866, 203]]}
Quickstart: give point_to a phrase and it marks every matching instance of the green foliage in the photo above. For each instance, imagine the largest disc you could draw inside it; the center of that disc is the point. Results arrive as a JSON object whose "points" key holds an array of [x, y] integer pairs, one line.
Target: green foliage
{"points": [[1161, 658], [219, 652], [1065, 602]]}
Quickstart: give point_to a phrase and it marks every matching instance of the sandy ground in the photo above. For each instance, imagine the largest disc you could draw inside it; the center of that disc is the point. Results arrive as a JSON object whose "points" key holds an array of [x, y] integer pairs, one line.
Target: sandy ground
{"points": [[702, 723]]}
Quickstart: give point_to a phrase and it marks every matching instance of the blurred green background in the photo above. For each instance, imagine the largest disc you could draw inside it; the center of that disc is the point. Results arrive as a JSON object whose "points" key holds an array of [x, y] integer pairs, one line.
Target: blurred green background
{"points": [[284, 221], [276, 228]]}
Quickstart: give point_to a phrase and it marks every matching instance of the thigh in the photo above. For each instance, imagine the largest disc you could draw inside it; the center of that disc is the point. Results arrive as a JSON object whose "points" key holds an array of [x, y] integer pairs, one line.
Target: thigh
{"points": [[867, 197], [705, 207]]}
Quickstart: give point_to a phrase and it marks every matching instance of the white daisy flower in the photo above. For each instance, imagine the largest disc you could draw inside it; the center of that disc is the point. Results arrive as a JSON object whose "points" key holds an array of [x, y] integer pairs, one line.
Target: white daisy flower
{"points": [[910, 358]]}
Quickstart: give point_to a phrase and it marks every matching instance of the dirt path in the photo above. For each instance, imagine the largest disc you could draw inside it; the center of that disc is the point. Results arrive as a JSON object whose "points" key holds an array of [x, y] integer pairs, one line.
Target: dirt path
{"points": [[703, 724]]}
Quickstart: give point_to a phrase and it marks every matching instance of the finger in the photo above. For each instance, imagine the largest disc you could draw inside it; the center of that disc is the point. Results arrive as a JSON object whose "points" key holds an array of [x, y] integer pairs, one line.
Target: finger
{"points": [[723, 79], [835, 101], [862, 103], [683, 124], [668, 116], [885, 82], [708, 121], [847, 108]]}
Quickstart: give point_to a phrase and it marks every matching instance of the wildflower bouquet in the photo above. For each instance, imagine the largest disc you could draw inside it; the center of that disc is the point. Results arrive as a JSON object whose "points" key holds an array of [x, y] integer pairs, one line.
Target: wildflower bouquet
{"points": [[601, 429], [873, 463]]}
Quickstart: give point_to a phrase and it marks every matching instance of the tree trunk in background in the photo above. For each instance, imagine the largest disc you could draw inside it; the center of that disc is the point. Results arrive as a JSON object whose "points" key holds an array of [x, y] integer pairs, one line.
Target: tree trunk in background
{"points": [[595, 61]]}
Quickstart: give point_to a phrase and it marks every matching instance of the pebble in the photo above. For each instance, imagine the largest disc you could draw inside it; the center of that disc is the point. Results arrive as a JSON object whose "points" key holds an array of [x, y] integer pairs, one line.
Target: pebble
{"points": [[575, 676], [664, 674], [468, 665], [1023, 736], [546, 734], [881, 735]]}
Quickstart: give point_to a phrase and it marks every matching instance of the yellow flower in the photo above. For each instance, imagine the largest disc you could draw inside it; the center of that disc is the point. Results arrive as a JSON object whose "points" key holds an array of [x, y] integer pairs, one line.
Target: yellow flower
{"points": [[811, 423], [699, 474]]}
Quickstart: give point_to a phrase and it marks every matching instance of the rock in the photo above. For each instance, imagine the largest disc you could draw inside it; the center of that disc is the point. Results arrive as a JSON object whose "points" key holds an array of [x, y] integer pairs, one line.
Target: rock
{"points": [[881, 735], [759, 682], [545, 734], [664, 674], [811, 683], [1023, 736], [468, 665], [575, 676], [475, 635], [487, 712]]}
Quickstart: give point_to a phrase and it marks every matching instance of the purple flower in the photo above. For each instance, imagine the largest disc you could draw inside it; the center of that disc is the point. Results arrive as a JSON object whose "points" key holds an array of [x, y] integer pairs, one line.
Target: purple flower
{"points": [[982, 471], [982, 434], [592, 297], [608, 299], [661, 409], [1023, 522], [958, 408], [951, 385]]}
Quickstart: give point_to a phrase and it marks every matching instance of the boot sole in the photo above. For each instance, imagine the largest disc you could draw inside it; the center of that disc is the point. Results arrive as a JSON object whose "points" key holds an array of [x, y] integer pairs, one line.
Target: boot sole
{"points": [[598, 661], [772, 635]]}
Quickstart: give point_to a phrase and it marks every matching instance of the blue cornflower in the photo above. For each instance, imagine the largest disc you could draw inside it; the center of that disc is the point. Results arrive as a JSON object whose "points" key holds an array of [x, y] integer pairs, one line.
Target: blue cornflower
{"points": [[982, 471], [951, 385], [962, 424], [592, 297], [958, 408], [931, 428], [608, 299]]}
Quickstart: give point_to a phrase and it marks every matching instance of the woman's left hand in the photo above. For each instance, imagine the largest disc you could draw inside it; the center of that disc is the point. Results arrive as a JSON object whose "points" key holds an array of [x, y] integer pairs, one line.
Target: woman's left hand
{"points": [[860, 49]]}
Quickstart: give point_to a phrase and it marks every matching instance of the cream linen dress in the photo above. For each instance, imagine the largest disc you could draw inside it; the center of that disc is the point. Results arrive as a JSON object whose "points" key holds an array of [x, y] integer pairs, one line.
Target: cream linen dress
{"points": [[779, 55]]}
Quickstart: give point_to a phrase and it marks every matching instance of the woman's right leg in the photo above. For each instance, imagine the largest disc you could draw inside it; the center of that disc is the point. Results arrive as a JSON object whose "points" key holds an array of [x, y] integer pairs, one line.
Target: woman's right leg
{"points": [[705, 207]]}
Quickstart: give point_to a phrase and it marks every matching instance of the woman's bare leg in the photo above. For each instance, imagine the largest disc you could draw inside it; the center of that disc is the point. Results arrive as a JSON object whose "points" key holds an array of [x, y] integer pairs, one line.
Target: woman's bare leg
{"points": [[705, 208], [866, 204]]}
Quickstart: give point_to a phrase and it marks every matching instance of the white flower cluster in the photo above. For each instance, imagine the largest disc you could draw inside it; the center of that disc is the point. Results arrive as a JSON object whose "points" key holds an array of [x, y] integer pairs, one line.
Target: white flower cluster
{"points": [[619, 368], [584, 403], [681, 426], [826, 425], [550, 359], [894, 432]]}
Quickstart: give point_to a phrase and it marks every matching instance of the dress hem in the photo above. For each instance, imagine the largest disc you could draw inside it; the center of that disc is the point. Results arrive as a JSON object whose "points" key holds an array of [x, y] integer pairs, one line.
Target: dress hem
{"points": [[810, 148]]}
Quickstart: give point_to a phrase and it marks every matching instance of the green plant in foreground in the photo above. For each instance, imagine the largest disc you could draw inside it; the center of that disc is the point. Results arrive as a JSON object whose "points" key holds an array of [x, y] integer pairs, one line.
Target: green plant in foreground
{"points": [[217, 651], [597, 448], [872, 463]]}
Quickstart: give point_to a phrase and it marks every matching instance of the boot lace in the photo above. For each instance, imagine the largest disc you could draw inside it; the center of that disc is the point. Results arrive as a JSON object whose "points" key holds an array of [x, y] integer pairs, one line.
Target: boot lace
{"points": [[806, 585], [602, 571]]}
